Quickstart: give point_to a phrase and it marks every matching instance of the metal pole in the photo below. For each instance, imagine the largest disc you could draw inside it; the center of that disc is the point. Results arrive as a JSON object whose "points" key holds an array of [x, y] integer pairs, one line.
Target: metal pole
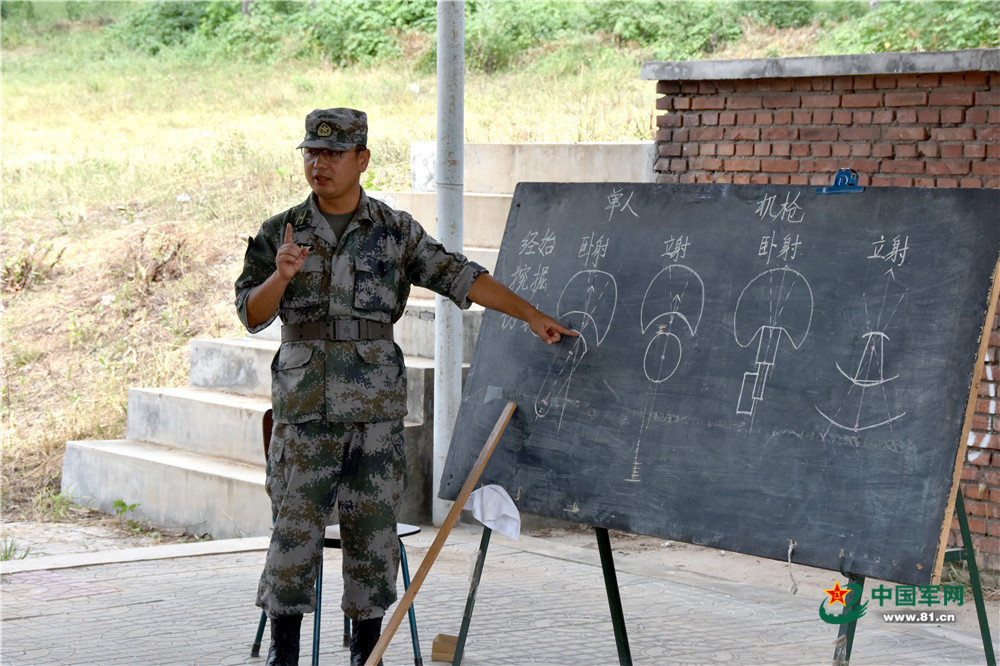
{"points": [[448, 186]]}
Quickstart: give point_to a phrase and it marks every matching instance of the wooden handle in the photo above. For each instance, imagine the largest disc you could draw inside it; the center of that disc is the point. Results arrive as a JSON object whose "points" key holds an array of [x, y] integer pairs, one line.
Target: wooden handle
{"points": [[449, 523]]}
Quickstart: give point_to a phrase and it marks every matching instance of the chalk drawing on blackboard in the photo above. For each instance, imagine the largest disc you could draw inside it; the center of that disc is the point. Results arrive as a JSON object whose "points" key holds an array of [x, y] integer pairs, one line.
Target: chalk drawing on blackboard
{"points": [[675, 294], [593, 294], [869, 373], [777, 303]]}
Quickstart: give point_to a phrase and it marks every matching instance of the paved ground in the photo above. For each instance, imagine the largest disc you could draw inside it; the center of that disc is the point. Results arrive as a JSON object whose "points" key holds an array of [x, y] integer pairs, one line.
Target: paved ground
{"points": [[541, 601]]}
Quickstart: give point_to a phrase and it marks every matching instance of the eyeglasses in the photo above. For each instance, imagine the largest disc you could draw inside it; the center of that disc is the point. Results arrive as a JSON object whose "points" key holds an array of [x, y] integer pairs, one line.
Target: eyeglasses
{"points": [[325, 154]]}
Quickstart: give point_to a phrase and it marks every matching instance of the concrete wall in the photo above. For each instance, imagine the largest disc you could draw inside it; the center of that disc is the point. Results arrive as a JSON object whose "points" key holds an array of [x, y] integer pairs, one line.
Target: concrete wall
{"points": [[898, 119]]}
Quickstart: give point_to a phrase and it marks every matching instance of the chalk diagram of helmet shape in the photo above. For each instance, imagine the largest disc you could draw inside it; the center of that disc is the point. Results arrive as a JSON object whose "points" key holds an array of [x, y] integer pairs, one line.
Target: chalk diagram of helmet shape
{"points": [[776, 304], [593, 294], [868, 376], [674, 299]]}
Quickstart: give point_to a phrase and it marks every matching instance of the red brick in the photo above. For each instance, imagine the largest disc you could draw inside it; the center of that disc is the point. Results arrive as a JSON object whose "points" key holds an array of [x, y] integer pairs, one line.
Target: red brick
{"points": [[798, 179], [744, 102], [742, 133], [952, 150], [706, 163], [681, 135], [682, 103], [745, 118], [727, 118], [690, 149], [950, 98], [762, 149], [663, 135], [988, 98], [707, 149], [861, 149], [691, 119], [701, 103], [946, 182], [689, 87], [953, 134], [882, 150], [664, 103], [901, 181], [903, 166], [820, 101], [782, 101], [818, 134], [710, 118], [726, 149], [737, 164], [781, 149], [707, 88], [864, 82], [986, 168], [947, 167], [928, 149], [925, 182], [843, 83], [977, 116], [928, 80], [885, 81], [669, 150], [823, 166], [906, 80], [764, 118], [760, 179], [906, 99], [976, 78], [707, 134], [669, 120], [862, 166], [863, 117], [821, 150], [667, 87], [883, 116], [929, 116], [843, 117], [859, 133], [953, 116], [802, 117], [905, 151], [841, 150], [685, 178], [906, 116], [857, 100], [779, 133], [782, 117], [780, 179], [662, 164], [800, 149], [744, 149], [678, 165], [988, 134], [906, 133], [822, 117], [975, 150], [952, 79], [741, 178]]}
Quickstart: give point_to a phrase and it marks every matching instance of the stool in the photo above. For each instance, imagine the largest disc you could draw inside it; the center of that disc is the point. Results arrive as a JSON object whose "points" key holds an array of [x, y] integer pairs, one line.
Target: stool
{"points": [[331, 539]]}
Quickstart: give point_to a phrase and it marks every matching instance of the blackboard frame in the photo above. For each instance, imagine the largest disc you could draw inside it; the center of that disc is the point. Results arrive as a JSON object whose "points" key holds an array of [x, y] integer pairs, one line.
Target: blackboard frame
{"points": [[777, 498]]}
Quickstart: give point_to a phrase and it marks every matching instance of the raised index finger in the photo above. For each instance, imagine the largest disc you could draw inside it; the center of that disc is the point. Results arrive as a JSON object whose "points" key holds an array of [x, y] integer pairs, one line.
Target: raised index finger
{"points": [[288, 234]]}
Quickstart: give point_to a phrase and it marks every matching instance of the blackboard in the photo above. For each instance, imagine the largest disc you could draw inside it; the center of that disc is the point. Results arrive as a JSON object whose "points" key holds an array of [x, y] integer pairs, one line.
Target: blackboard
{"points": [[759, 367]]}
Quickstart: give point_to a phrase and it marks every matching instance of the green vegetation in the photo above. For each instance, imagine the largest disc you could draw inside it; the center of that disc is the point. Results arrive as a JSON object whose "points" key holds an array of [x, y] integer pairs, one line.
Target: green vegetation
{"points": [[143, 142]]}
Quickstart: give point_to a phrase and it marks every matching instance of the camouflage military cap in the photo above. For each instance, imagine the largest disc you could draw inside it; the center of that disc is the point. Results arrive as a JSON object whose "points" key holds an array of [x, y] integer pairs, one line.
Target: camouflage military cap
{"points": [[336, 129]]}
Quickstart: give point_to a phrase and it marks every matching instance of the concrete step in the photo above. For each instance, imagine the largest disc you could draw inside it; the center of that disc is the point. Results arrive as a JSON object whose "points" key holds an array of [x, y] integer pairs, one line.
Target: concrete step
{"points": [[496, 168], [414, 334], [207, 494], [173, 488]]}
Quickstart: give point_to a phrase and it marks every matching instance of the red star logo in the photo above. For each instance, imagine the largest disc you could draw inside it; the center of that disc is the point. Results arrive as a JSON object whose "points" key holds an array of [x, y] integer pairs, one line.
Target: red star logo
{"points": [[838, 595]]}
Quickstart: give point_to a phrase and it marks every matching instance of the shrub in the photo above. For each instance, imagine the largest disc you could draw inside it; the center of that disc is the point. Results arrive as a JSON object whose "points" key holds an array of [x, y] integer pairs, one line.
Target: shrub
{"points": [[156, 25]]}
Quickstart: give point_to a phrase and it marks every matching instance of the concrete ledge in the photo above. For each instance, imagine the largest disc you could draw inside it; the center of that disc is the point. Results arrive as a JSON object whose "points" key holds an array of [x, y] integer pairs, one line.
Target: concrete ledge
{"points": [[938, 62]]}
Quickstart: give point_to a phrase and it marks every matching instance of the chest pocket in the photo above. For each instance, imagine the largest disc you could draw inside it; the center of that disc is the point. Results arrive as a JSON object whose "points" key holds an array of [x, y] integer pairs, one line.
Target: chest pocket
{"points": [[376, 283], [306, 288]]}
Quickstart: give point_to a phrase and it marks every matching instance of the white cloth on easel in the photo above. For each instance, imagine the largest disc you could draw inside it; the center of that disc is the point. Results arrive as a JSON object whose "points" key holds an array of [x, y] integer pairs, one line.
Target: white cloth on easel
{"points": [[493, 507]]}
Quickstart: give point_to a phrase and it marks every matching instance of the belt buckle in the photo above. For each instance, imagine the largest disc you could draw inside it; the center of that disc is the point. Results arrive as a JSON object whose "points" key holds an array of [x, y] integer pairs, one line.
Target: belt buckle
{"points": [[346, 329]]}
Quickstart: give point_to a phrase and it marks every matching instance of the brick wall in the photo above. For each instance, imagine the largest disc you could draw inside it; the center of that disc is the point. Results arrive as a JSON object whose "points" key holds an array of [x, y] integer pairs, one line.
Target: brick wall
{"points": [[902, 120]]}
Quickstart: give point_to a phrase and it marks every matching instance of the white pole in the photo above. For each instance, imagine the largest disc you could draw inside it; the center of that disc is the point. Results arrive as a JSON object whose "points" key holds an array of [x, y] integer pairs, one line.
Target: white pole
{"points": [[448, 186]]}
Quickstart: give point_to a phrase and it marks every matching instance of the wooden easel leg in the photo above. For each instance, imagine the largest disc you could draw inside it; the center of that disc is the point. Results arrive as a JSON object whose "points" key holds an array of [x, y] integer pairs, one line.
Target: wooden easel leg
{"points": [[471, 601], [845, 639], [614, 596], [977, 588]]}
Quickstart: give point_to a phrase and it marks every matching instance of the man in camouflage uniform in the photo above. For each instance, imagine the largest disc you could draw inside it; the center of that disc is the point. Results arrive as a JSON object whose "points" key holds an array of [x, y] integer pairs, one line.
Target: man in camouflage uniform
{"points": [[337, 269]]}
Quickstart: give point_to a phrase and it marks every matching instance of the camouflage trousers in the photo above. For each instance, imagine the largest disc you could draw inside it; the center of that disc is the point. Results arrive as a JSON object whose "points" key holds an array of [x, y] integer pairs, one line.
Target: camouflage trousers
{"points": [[361, 466]]}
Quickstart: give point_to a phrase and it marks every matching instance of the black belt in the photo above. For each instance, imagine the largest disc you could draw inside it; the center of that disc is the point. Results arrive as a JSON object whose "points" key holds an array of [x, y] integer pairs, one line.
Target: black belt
{"points": [[338, 329]]}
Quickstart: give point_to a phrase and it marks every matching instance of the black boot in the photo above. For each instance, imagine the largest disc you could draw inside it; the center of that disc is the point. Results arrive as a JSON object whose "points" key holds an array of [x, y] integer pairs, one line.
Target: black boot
{"points": [[364, 636], [284, 650]]}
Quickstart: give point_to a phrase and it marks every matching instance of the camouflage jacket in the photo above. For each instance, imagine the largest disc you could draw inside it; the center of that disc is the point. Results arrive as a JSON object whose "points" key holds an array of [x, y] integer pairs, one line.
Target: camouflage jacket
{"points": [[366, 274]]}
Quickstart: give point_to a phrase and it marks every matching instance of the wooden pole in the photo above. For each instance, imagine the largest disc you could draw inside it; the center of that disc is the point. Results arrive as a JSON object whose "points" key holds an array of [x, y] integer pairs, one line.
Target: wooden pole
{"points": [[442, 535]]}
